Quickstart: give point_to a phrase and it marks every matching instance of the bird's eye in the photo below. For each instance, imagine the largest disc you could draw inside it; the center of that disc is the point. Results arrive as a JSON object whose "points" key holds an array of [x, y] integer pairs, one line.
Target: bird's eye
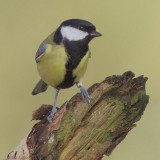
{"points": [[81, 28]]}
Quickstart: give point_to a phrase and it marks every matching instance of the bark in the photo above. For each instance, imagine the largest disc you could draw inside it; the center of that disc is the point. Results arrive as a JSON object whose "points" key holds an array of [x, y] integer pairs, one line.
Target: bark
{"points": [[86, 131]]}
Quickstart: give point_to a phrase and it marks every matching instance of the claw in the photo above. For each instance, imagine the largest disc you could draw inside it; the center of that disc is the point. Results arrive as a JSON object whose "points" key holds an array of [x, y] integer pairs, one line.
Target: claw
{"points": [[50, 117], [85, 94]]}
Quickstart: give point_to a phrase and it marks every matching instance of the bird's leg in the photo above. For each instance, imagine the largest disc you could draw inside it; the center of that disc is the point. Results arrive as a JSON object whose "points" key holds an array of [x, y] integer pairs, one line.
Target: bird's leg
{"points": [[84, 92], [54, 110]]}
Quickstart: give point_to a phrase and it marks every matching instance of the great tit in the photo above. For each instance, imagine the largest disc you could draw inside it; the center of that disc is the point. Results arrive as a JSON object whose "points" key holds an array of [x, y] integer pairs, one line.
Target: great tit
{"points": [[63, 56]]}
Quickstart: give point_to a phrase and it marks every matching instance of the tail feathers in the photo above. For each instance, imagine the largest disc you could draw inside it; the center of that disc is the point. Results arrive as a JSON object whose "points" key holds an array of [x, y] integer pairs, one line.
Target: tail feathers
{"points": [[41, 86]]}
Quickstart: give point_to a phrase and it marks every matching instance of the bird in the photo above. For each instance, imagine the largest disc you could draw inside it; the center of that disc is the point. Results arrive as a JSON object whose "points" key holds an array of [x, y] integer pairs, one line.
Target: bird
{"points": [[62, 58]]}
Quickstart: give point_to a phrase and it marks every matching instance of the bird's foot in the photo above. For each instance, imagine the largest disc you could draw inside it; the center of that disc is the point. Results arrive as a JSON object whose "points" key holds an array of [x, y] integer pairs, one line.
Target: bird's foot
{"points": [[50, 117], [85, 94]]}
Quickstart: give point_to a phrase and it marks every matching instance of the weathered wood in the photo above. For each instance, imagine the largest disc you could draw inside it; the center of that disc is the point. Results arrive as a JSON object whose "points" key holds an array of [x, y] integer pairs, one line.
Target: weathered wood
{"points": [[87, 131]]}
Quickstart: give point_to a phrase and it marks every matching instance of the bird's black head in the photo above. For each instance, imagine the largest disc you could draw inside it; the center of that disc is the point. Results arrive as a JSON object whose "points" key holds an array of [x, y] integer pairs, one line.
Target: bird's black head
{"points": [[75, 30]]}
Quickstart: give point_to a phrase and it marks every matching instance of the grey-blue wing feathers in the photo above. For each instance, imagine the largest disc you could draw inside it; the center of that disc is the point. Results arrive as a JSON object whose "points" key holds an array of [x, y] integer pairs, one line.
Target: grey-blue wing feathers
{"points": [[40, 52], [41, 86]]}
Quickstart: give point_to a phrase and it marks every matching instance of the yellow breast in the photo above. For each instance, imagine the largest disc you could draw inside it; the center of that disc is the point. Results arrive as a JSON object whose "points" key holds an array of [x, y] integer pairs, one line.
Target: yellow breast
{"points": [[51, 66], [80, 70]]}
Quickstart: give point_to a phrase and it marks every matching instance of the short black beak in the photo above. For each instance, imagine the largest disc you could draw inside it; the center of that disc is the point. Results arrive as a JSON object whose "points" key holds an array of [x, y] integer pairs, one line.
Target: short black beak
{"points": [[95, 34]]}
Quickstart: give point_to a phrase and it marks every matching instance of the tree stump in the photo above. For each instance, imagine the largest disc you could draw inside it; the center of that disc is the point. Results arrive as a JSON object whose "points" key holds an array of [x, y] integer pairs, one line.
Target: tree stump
{"points": [[86, 131]]}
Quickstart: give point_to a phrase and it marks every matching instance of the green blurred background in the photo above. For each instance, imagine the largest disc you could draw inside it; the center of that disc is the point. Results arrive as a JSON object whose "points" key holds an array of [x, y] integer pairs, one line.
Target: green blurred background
{"points": [[131, 41]]}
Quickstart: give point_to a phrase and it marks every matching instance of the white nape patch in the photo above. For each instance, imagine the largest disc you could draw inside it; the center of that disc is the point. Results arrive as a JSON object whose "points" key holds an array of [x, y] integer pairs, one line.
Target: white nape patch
{"points": [[72, 34]]}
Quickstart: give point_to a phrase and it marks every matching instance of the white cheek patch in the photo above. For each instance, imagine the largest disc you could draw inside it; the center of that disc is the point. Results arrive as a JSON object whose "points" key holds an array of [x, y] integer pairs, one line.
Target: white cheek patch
{"points": [[73, 34]]}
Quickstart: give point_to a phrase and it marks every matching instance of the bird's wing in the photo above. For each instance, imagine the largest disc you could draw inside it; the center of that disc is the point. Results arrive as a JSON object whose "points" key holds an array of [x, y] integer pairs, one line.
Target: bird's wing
{"points": [[44, 46], [41, 50]]}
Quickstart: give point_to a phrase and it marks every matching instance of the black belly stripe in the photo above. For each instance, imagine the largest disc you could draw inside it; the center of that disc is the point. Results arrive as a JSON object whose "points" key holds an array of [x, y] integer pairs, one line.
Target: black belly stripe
{"points": [[76, 50], [68, 81]]}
